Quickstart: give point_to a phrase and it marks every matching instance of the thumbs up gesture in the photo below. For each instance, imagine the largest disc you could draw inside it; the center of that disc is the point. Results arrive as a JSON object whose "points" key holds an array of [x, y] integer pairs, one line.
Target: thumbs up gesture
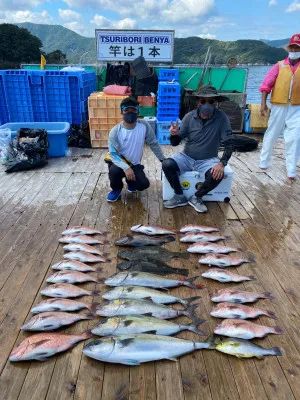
{"points": [[174, 129]]}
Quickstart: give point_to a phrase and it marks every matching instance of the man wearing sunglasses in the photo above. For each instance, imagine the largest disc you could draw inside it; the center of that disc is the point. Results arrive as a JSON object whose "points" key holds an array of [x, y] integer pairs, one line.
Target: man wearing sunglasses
{"points": [[125, 143], [203, 130]]}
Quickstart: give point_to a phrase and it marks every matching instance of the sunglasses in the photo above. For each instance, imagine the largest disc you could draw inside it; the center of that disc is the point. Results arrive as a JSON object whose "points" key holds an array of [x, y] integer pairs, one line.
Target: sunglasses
{"points": [[211, 101]]}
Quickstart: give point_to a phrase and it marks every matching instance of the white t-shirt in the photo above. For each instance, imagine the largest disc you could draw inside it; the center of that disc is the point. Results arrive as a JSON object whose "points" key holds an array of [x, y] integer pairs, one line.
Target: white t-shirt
{"points": [[132, 143]]}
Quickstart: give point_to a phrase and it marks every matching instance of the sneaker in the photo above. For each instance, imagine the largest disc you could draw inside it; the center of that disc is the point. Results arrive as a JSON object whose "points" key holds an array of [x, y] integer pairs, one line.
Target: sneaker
{"points": [[114, 195], [197, 203], [131, 189], [177, 200]]}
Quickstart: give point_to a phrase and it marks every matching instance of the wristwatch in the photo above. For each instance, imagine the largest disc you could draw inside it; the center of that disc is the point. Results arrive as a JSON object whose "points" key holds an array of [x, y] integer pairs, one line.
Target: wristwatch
{"points": [[224, 162]]}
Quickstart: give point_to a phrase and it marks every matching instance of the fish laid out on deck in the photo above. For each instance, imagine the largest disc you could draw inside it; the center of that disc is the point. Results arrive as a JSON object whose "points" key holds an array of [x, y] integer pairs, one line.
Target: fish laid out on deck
{"points": [[71, 277], [137, 349], [138, 324], [84, 257], [49, 321], [225, 276], [195, 237], [61, 305], [242, 348], [204, 247], [240, 311], [151, 230], [83, 239], [152, 252], [72, 265], [141, 240], [66, 290], [151, 266], [223, 261], [83, 247], [245, 329], [198, 228], [81, 230], [239, 296], [145, 293], [149, 280], [41, 346]]}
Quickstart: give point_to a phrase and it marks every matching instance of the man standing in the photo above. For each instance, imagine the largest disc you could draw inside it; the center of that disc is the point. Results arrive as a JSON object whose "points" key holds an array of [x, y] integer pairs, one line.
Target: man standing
{"points": [[283, 80], [203, 130], [125, 142]]}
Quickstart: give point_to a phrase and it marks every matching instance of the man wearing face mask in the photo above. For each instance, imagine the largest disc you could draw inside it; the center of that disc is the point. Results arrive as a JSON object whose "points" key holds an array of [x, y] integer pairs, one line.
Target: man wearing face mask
{"points": [[283, 80], [125, 142], [203, 130]]}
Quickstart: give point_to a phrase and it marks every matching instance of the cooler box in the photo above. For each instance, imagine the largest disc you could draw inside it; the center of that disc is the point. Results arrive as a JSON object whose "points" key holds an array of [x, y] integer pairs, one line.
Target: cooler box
{"points": [[191, 181], [247, 128], [57, 134]]}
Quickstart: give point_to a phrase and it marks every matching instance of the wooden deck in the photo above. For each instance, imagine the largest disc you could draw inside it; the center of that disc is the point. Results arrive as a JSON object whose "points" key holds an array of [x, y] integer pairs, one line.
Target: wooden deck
{"points": [[263, 218]]}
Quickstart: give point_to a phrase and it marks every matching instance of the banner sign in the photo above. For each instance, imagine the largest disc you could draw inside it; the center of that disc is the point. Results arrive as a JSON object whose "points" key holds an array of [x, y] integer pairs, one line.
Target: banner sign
{"points": [[127, 45]]}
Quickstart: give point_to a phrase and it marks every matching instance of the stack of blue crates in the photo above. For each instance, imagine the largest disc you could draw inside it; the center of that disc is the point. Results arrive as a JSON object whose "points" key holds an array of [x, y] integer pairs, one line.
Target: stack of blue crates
{"points": [[45, 96], [168, 103]]}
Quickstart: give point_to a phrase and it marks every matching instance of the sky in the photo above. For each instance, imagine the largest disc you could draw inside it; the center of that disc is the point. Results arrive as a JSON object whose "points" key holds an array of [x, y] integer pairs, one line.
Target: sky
{"points": [[212, 19]]}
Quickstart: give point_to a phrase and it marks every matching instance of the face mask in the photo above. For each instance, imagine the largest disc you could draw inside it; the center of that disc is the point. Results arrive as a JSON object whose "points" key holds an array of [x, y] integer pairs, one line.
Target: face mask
{"points": [[130, 117], [207, 109], [294, 55]]}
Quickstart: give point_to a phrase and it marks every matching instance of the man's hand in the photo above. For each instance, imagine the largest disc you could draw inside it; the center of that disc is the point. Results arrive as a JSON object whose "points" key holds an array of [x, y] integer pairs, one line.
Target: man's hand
{"points": [[217, 172], [174, 130], [130, 174], [263, 109]]}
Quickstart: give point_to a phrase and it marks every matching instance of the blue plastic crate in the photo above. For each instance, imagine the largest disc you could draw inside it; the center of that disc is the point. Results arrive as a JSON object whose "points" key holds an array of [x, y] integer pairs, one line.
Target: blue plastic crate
{"points": [[168, 116], [162, 130], [3, 103], [168, 75], [57, 134], [168, 89], [167, 102]]}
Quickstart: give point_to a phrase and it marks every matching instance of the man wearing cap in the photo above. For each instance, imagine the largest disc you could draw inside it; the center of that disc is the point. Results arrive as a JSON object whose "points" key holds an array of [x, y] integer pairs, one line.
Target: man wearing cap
{"points": [[283, 80], [203, 130], [125, 143]]}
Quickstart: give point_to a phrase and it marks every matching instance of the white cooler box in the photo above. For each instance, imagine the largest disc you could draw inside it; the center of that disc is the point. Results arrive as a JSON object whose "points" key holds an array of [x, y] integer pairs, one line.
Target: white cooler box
{"points": [[191, 181]]}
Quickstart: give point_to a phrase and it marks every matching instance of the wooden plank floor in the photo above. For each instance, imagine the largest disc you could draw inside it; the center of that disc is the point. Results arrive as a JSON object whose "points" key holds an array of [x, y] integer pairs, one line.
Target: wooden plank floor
{"points": [[263, 218]]}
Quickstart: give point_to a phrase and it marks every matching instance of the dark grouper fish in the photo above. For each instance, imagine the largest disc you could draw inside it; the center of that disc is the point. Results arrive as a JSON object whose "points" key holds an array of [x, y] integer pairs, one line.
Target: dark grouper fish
{"points": [[141, 240], [152, 266], [151, 252]]}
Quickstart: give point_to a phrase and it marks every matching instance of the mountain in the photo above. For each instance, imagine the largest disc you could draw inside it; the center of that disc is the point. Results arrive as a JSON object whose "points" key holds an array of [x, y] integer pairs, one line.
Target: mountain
{"points": [[277, 43], [189, 50]]}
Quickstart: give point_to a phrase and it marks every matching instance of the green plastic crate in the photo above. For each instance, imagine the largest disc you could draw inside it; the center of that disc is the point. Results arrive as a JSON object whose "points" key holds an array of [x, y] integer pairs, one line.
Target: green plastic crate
{"points": [[147, 111]]}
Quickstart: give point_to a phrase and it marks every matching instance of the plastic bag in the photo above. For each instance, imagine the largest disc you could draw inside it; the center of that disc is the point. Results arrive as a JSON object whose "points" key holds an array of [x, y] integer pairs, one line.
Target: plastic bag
{"points": [[28, 150], [5, 138], [80, 136]]}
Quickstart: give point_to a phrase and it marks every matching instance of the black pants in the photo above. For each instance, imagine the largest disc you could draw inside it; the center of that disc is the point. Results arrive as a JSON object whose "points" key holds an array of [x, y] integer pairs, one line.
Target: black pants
{"points": [[172, 170], [116, 175]]}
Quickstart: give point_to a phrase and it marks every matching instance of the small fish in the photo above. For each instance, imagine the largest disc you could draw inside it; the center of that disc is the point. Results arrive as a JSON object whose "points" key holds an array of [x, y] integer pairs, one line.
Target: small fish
{"points": [[49, 321], [71, 277], [144, 307], [201, 237], [151, 230], [245, 329], [225, 276], [82, 247], [138, 324], [84, 257], [61, 305], [41, 346], [71, 265], [151, 252], [149, 280], [140, 240], [151, 266], [81, 230], [238, 311], [84, 239], [242, 348], [198, 228], [223, 261], [65, 290], [204, 248], [238, 296], [143, 293], [137, 349]]}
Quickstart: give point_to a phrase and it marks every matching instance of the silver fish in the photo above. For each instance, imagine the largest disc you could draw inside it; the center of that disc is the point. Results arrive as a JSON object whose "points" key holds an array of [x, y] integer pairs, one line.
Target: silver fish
{"points": [[225, 276], [136, 349], [151, 230], [43, 345], [60, 305], [72, 265], [70, 277], [82, 247], [143, 293], [239, 296], [223, 261], [240, 311], [201, 237], [65, 290], [81, 230], [141, 240], [204, 248], [49, 321], [84, 257], [84, 239], [148, 280], [242, 329], [140, 324], [198, 228]]}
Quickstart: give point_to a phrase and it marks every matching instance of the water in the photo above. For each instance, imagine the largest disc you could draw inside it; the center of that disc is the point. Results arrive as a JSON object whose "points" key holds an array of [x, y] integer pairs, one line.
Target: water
{"points": [[256, 75]]}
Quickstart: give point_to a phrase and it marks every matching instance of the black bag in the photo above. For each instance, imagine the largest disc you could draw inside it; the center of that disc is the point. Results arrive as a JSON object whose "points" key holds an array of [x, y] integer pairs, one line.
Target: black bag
{"points": [[28, 150], [80, 136], [146, 86], [241, 143]]}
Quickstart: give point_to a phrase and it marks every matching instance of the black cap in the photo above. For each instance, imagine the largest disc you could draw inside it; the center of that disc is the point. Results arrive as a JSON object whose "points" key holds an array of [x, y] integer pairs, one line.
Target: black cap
{"points": [[129, 102]]}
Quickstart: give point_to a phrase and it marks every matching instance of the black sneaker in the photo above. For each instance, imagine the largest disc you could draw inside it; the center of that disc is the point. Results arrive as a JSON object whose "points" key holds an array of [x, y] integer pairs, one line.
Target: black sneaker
{"points": [[197, 203]]}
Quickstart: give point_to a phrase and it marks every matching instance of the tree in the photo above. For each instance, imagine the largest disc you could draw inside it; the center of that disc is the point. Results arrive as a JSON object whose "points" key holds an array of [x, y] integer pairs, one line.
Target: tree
{"points": [[18, 46], [56, 57]]}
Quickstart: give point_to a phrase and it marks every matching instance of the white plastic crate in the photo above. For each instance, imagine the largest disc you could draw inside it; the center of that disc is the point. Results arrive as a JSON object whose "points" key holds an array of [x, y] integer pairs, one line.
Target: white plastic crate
{"points": [[191, 181]]}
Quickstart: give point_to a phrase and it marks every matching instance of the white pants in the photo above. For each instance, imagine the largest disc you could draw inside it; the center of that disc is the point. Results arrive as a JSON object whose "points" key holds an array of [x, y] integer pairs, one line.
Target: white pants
{"points": [[283, 120]]}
